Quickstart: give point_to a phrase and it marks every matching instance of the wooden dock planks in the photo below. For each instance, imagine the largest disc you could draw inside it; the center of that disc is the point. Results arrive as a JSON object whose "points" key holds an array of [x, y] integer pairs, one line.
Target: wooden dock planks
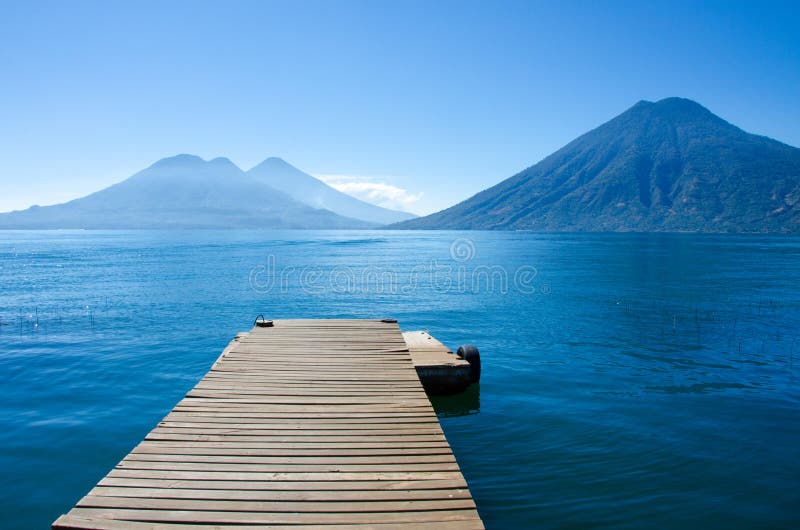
{"points": [[308, 424]]}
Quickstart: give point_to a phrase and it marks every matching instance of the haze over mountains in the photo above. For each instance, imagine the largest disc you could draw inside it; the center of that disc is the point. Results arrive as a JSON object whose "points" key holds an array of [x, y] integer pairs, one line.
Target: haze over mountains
{"points": [[312, 191], [186, 191], [665, 166]]}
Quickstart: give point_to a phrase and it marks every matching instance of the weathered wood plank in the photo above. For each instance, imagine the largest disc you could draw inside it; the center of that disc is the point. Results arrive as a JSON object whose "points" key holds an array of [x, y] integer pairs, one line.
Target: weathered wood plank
{"points": [[254, 417], [222, 517], [73, 522], [230, 493], [305, 429], [278, 476], [225, 505], [235, 467], [284, 485], [283, 452], [291, 460], [318, 423], [360, 445], [291, 439]]}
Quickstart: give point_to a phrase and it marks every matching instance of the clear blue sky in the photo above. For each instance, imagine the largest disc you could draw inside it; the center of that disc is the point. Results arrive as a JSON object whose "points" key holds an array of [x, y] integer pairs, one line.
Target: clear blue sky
{"points": [[438, 98]]}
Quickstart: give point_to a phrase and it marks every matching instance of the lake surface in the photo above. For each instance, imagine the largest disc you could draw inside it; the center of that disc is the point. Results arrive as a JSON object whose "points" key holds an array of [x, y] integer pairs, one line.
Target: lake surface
{"points": [[628, 381]]}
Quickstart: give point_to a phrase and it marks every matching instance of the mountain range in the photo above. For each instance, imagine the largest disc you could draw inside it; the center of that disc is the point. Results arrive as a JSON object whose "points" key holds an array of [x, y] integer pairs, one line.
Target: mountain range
{"points": [[186, 191], [671, 165]]}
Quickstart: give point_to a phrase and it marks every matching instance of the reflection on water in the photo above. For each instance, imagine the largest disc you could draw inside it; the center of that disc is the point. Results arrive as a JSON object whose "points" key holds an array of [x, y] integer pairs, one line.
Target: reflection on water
{"points": [[463, 404]]}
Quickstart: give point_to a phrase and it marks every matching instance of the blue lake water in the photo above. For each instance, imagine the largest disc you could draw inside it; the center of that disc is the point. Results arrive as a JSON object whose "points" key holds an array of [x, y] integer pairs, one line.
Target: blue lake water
{"points": [[629, 381]]}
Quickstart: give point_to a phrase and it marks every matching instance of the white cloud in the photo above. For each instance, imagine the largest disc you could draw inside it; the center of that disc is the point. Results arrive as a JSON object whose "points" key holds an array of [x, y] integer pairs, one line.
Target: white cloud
{"points": [[371, 191]]}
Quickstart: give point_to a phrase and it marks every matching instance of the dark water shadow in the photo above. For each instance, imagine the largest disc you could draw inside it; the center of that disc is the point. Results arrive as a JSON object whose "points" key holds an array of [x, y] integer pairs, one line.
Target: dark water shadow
{"points": [[463, 404]]}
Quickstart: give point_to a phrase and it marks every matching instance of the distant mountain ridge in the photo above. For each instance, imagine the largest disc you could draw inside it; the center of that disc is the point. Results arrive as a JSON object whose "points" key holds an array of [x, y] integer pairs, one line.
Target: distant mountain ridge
{"points": [[186, 191], [665, 166]]}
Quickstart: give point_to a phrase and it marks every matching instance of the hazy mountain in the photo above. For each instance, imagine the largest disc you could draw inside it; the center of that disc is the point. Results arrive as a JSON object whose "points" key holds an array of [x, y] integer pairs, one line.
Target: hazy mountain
{"points": [[312, 191], [184, 191], [665, 166]]}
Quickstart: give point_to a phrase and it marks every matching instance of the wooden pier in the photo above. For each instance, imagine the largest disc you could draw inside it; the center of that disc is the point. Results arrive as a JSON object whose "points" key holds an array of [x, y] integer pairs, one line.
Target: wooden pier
{"points": [[308, 424]]}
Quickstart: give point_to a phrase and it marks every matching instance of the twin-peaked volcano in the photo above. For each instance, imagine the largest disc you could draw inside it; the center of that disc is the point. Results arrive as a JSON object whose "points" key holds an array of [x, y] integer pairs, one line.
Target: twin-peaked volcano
{"points": [[665, 166], [186, 191]]}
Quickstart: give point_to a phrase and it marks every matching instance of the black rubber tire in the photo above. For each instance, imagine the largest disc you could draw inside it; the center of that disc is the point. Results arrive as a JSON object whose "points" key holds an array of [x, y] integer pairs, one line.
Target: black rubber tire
{"points": [[470, 353]]}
